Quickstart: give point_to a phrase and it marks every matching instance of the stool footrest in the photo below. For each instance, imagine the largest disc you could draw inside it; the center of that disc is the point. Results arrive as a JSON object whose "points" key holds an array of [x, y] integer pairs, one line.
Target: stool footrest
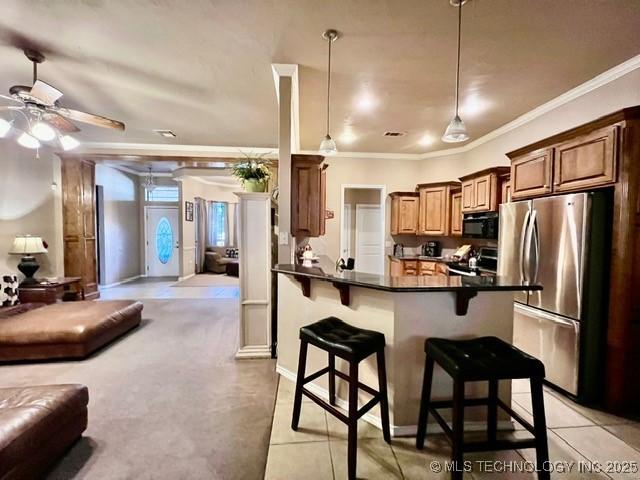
{"points": [[329, 408], [361, 385]]}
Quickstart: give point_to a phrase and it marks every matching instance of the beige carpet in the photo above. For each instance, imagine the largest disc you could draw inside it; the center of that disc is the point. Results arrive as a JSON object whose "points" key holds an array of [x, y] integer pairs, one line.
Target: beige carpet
{"points": [[208, 280], [168, 400]]}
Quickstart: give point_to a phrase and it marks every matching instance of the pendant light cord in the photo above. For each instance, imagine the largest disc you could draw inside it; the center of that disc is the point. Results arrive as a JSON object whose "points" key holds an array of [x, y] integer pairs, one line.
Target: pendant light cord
{"points": [[329, 82], [458, 62]]}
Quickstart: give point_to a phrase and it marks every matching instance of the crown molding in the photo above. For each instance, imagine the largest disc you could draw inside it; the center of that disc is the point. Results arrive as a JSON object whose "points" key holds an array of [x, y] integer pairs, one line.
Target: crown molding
{"points": [[174, 150]]}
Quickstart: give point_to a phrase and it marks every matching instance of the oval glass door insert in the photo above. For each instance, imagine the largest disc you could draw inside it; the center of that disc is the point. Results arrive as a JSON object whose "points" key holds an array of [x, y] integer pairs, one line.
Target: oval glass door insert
{"points": [[164, 240]]}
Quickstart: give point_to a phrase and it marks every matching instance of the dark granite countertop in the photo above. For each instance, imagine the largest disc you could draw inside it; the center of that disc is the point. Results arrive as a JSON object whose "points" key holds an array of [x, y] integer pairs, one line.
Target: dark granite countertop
{"points": [[325, 270]]}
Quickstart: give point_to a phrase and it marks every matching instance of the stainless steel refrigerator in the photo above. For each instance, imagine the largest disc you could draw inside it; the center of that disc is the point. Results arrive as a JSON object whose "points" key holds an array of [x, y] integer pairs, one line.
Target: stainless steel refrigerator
{"points": [[560, 242]]}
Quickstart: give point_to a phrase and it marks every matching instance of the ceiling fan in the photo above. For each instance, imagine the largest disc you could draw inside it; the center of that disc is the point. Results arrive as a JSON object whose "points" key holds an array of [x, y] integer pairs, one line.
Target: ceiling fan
{"points": [[46, 119]]}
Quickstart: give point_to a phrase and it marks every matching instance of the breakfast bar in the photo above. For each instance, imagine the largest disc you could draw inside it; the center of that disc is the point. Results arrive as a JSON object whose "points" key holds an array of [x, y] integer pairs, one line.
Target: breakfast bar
{"points": [[407, 310]]}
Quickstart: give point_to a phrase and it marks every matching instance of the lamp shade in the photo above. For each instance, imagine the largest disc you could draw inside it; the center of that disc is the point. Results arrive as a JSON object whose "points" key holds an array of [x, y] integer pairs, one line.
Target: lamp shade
{"points": [[27, 245], [456, 131], [328, 146]]}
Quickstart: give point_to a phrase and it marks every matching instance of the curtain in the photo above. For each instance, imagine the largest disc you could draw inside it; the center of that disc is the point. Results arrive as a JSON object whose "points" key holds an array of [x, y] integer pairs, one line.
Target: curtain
{"points": [[218, 229], [202, 221], [234, 212]]}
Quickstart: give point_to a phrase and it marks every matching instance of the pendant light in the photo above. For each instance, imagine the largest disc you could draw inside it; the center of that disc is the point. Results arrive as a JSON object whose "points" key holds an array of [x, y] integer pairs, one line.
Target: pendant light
{"points": [[328, 145], [456, 130]]}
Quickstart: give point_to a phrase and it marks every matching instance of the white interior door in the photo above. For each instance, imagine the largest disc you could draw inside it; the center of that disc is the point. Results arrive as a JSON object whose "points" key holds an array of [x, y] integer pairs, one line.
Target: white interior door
{"points": [[345, 239], [369, 247], [162, 246]]}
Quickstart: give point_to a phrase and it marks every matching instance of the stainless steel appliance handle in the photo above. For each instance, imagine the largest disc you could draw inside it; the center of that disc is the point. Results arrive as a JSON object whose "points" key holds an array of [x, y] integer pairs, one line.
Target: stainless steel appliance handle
{"points": [[534, 238], [535, 312], [525, 224]]}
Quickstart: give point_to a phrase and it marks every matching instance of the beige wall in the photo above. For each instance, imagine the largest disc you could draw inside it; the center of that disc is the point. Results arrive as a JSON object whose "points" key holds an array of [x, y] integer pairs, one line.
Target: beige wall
{"points": [[358, 196], [121, 210], [397, 175], [29, 205], [190, 189]]}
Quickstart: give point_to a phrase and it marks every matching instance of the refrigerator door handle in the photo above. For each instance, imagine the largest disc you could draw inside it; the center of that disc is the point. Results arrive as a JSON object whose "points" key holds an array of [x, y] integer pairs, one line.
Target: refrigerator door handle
{"points": [[535, 239], [523, 242]]}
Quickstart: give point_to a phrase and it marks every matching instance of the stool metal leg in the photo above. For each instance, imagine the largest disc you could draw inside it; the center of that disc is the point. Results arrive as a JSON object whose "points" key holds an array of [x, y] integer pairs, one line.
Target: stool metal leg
{"points": [[458, 429], [424, 402], [384, 400], [540, 427], [332, 379], [492, 413], [352, 442], [297, 400]]}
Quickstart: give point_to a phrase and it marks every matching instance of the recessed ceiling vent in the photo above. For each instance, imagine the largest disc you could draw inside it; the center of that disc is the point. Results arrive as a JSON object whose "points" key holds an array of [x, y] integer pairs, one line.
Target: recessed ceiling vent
{"points": [[165, 133], [395, 134]]}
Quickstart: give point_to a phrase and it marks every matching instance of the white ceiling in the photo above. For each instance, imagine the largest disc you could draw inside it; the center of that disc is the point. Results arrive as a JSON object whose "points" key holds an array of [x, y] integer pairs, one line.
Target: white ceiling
{"points": [[202, 67]]}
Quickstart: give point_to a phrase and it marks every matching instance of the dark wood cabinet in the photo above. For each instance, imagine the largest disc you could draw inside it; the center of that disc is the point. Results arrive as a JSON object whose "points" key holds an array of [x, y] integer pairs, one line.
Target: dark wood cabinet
{"points": [[480, 192], [404, 213], [435, 208], [531, 174], [588, 161], [78, 215], [308, 195]]}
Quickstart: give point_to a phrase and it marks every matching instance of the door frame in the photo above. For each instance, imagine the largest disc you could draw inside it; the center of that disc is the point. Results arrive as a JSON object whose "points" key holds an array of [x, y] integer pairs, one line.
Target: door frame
{"points": [[345, 236], [383, 213], [146, 237]]}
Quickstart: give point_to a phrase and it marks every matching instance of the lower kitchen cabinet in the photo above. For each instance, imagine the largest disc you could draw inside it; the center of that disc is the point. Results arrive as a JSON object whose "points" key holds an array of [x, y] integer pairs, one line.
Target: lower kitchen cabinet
{"points": [[399, 268]]}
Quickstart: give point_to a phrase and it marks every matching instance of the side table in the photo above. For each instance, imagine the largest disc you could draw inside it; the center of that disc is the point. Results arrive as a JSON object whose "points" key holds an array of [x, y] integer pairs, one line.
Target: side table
{"points": [[60, 289]]}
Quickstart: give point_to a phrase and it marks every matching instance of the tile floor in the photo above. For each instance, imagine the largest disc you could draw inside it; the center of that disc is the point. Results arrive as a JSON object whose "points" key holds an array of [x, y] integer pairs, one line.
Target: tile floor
{"points": [[164, 288], [318, 449]]}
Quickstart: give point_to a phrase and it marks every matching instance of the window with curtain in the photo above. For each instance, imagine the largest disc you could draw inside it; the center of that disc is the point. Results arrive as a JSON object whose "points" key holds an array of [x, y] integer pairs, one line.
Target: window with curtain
{"points": [[218, 224]]}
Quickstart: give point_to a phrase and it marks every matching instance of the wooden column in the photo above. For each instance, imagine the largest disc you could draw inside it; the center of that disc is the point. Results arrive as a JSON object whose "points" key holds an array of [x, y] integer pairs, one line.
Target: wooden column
{"points": [[254, 244], [79, 228]]}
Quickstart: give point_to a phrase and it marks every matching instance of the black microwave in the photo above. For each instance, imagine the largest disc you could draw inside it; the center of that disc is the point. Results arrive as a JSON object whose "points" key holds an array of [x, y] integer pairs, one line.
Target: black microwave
{"points": [[480, 225]]}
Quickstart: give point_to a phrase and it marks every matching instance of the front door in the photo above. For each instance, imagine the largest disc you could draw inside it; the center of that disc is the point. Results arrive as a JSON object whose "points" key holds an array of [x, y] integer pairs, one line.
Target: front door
{"points": [[162, 241]]}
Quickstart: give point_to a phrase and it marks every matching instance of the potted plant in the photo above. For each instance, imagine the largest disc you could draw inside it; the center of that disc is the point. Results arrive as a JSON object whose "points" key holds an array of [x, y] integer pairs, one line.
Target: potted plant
{"points": [[253, 173]]}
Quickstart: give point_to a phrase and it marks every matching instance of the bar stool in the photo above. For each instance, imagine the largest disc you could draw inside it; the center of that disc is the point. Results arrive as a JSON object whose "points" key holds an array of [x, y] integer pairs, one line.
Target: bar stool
{"points": [[352, 344], [483, 359]]}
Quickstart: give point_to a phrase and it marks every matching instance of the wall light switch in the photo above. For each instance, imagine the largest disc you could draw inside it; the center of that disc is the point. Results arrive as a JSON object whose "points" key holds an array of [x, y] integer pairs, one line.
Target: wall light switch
{"points": [[283, 238]]}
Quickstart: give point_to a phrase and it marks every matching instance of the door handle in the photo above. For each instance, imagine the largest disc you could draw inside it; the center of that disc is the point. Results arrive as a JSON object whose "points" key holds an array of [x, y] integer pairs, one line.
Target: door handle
{"points": [[534, 238], [523, 235]]}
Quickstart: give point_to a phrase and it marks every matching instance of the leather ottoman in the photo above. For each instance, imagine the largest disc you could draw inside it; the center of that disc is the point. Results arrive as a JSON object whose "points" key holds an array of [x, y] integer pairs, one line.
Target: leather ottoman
{"points": [[37, 426], [65, 330]]}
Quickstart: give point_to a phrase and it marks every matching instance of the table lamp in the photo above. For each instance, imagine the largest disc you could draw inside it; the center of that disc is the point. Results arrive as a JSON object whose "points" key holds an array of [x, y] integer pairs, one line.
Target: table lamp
{"points": [[27, 246]]}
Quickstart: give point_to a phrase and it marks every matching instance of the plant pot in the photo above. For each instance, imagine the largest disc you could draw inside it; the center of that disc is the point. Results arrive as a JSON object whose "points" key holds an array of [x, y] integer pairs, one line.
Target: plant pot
{"points": [[253, 185]]}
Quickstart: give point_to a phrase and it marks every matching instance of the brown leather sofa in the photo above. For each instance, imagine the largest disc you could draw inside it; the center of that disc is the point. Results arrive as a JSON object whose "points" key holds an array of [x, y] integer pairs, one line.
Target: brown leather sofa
{"points": [[37, 426], [64, 330], [216, 260]]}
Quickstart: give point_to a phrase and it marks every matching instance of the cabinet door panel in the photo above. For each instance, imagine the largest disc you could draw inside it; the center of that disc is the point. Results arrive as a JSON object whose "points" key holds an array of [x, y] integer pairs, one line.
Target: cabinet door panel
{"points": [[395, 215], [456, 214], [531, 174], [408, 215], [506, 191], [434, 211], [482, 193], [588, 161], [468, 196]]}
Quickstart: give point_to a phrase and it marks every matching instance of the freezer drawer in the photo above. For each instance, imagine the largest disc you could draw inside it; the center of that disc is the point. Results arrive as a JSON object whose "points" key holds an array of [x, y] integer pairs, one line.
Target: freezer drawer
{"points": [[554, 340]]}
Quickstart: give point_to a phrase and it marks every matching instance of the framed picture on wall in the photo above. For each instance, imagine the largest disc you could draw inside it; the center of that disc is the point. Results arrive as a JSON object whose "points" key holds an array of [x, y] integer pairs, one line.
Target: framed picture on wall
{"points": [[188, 211]]}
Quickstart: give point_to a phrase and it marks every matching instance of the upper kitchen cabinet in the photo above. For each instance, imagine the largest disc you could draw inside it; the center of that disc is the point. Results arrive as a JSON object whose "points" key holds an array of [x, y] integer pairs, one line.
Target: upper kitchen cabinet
{"points": [[586, 162], [505, 187], [456, 212], [404, 213], [308, 195], [531, 174], [435, 208], [480, 192]]}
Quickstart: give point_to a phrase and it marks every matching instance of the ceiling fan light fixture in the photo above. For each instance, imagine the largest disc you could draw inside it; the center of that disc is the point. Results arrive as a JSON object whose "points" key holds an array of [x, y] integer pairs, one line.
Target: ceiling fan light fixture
{"points": [[4, 127], [68, 142], [328, 146], [456, 131], [43, 131], [28, 141]]}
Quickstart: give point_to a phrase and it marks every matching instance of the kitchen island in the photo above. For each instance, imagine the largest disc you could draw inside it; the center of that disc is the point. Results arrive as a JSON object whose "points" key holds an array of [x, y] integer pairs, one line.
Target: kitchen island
{"points": [[407, 310]]}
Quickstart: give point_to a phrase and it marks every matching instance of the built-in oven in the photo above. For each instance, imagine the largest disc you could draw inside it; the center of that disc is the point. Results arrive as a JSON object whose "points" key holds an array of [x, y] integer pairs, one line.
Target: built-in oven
{"points": [[480, 225]]}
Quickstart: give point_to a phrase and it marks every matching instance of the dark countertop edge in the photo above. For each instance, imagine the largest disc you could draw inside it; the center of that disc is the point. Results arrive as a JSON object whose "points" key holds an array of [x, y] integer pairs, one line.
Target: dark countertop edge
{"points": [[384, 288]]}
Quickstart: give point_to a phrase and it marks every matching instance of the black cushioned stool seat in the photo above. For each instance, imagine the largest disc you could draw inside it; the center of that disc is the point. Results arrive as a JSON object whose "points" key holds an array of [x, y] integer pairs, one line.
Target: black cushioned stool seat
{"points": [[340, 339], [483, 359]]}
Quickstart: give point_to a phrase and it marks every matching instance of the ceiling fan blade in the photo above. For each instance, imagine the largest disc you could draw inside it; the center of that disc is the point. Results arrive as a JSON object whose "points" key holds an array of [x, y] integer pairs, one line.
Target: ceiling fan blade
{"points": [[90, 118], [10, 98], [10, 107], [60, 123], [45, 92]]}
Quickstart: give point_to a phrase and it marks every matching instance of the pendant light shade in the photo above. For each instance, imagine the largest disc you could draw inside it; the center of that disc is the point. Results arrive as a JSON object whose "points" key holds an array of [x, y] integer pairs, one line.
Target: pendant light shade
{"points": [[328, 145], [27, 141], [43, 131], [456, 130], [4, 127], [68, 142]]}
